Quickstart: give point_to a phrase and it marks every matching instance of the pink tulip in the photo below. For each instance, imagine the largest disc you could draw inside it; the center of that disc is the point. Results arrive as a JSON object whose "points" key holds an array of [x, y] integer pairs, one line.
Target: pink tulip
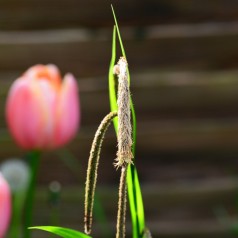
{"points": [[5, 206], [42, 111]]}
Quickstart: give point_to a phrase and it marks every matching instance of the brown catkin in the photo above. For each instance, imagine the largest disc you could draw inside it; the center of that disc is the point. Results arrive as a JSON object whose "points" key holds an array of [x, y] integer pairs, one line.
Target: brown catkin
{"points": [[124, 154], [124, 138]]}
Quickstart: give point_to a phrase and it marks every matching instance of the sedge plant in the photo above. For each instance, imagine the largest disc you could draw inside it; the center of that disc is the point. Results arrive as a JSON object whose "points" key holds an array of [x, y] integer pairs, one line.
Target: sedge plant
{"points": [[124, 119]]}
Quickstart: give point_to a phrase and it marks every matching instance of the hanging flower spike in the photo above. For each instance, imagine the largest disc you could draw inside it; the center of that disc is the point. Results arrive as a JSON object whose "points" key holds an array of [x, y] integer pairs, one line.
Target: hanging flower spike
{"points": [[5, 206], [42, 110]]}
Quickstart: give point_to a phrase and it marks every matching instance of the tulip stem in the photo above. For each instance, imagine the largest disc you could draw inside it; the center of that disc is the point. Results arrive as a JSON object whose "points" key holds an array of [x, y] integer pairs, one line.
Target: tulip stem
{"points": [[33, 159], [17, 204]]}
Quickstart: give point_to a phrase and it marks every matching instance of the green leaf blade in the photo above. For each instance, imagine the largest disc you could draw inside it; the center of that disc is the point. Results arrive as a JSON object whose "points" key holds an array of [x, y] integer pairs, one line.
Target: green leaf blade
{"points": [[62, 232], [131, 196], [139, 202], [118, 33], [112, 85], [120, 40]]}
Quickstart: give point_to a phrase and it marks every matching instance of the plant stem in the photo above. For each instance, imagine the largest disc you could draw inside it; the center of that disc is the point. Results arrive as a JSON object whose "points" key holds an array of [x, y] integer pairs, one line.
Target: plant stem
{"points": [[14, 227], [33, 160], [121, 213]]}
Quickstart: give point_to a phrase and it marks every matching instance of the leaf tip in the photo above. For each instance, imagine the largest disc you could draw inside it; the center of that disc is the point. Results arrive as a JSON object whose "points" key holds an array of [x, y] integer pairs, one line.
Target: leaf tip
{"points": [[112, 7]]}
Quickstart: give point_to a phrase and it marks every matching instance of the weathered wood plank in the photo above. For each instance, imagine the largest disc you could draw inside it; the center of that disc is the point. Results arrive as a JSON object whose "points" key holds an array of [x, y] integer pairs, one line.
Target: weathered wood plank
{"points": [[158, 195], [157, 95], [197, 229], [166, 96], [165, 151], [160, 203], [89, 56], [160, 136], [32, 14]]}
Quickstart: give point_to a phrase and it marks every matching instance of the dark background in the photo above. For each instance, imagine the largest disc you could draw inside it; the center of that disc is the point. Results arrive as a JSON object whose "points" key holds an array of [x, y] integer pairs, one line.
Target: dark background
{"points": [[183, 59]]}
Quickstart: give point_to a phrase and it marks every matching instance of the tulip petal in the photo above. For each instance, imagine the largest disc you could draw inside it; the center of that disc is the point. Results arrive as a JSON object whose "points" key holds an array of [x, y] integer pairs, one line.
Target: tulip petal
{"points": [[18, 98], [5, 206], [46, 98], [29, 113], [68, 116], [48, 72]]}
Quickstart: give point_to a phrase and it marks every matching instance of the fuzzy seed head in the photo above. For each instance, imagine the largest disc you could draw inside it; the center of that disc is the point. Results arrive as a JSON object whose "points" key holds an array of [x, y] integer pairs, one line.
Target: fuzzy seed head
{"points": [[124, 154]]}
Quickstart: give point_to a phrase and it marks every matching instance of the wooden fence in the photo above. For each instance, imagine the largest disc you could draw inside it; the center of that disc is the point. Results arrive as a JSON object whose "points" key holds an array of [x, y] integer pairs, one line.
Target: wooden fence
{"points": [[183, 58]]}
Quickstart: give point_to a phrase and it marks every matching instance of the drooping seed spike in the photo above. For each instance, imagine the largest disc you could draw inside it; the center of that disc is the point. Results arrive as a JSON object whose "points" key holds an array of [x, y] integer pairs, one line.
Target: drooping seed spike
{"points": [[93, 162]]}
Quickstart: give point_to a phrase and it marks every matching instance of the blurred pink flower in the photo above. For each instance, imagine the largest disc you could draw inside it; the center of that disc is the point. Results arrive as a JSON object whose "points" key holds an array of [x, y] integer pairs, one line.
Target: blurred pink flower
{"points": [[42, 110], [5, 206]]}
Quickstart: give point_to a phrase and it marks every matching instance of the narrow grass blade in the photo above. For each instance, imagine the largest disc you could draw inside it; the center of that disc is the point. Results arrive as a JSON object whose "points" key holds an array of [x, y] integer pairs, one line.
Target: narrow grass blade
{"points": [[62, 232], [139, 202], [112, 80], [131, 196], [118, 33]]}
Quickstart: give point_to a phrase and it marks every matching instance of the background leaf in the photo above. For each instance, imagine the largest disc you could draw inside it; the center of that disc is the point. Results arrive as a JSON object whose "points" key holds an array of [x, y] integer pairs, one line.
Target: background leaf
{"points": [[62, 232]]}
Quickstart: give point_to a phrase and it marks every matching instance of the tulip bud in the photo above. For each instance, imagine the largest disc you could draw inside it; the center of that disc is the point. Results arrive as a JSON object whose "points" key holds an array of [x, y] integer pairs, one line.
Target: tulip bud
{"points": [[42, 110], [5, 206]]}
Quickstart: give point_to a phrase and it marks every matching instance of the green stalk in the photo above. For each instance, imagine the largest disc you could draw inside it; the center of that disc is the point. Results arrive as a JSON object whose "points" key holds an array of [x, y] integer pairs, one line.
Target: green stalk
{"points": [[33, 159]]}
